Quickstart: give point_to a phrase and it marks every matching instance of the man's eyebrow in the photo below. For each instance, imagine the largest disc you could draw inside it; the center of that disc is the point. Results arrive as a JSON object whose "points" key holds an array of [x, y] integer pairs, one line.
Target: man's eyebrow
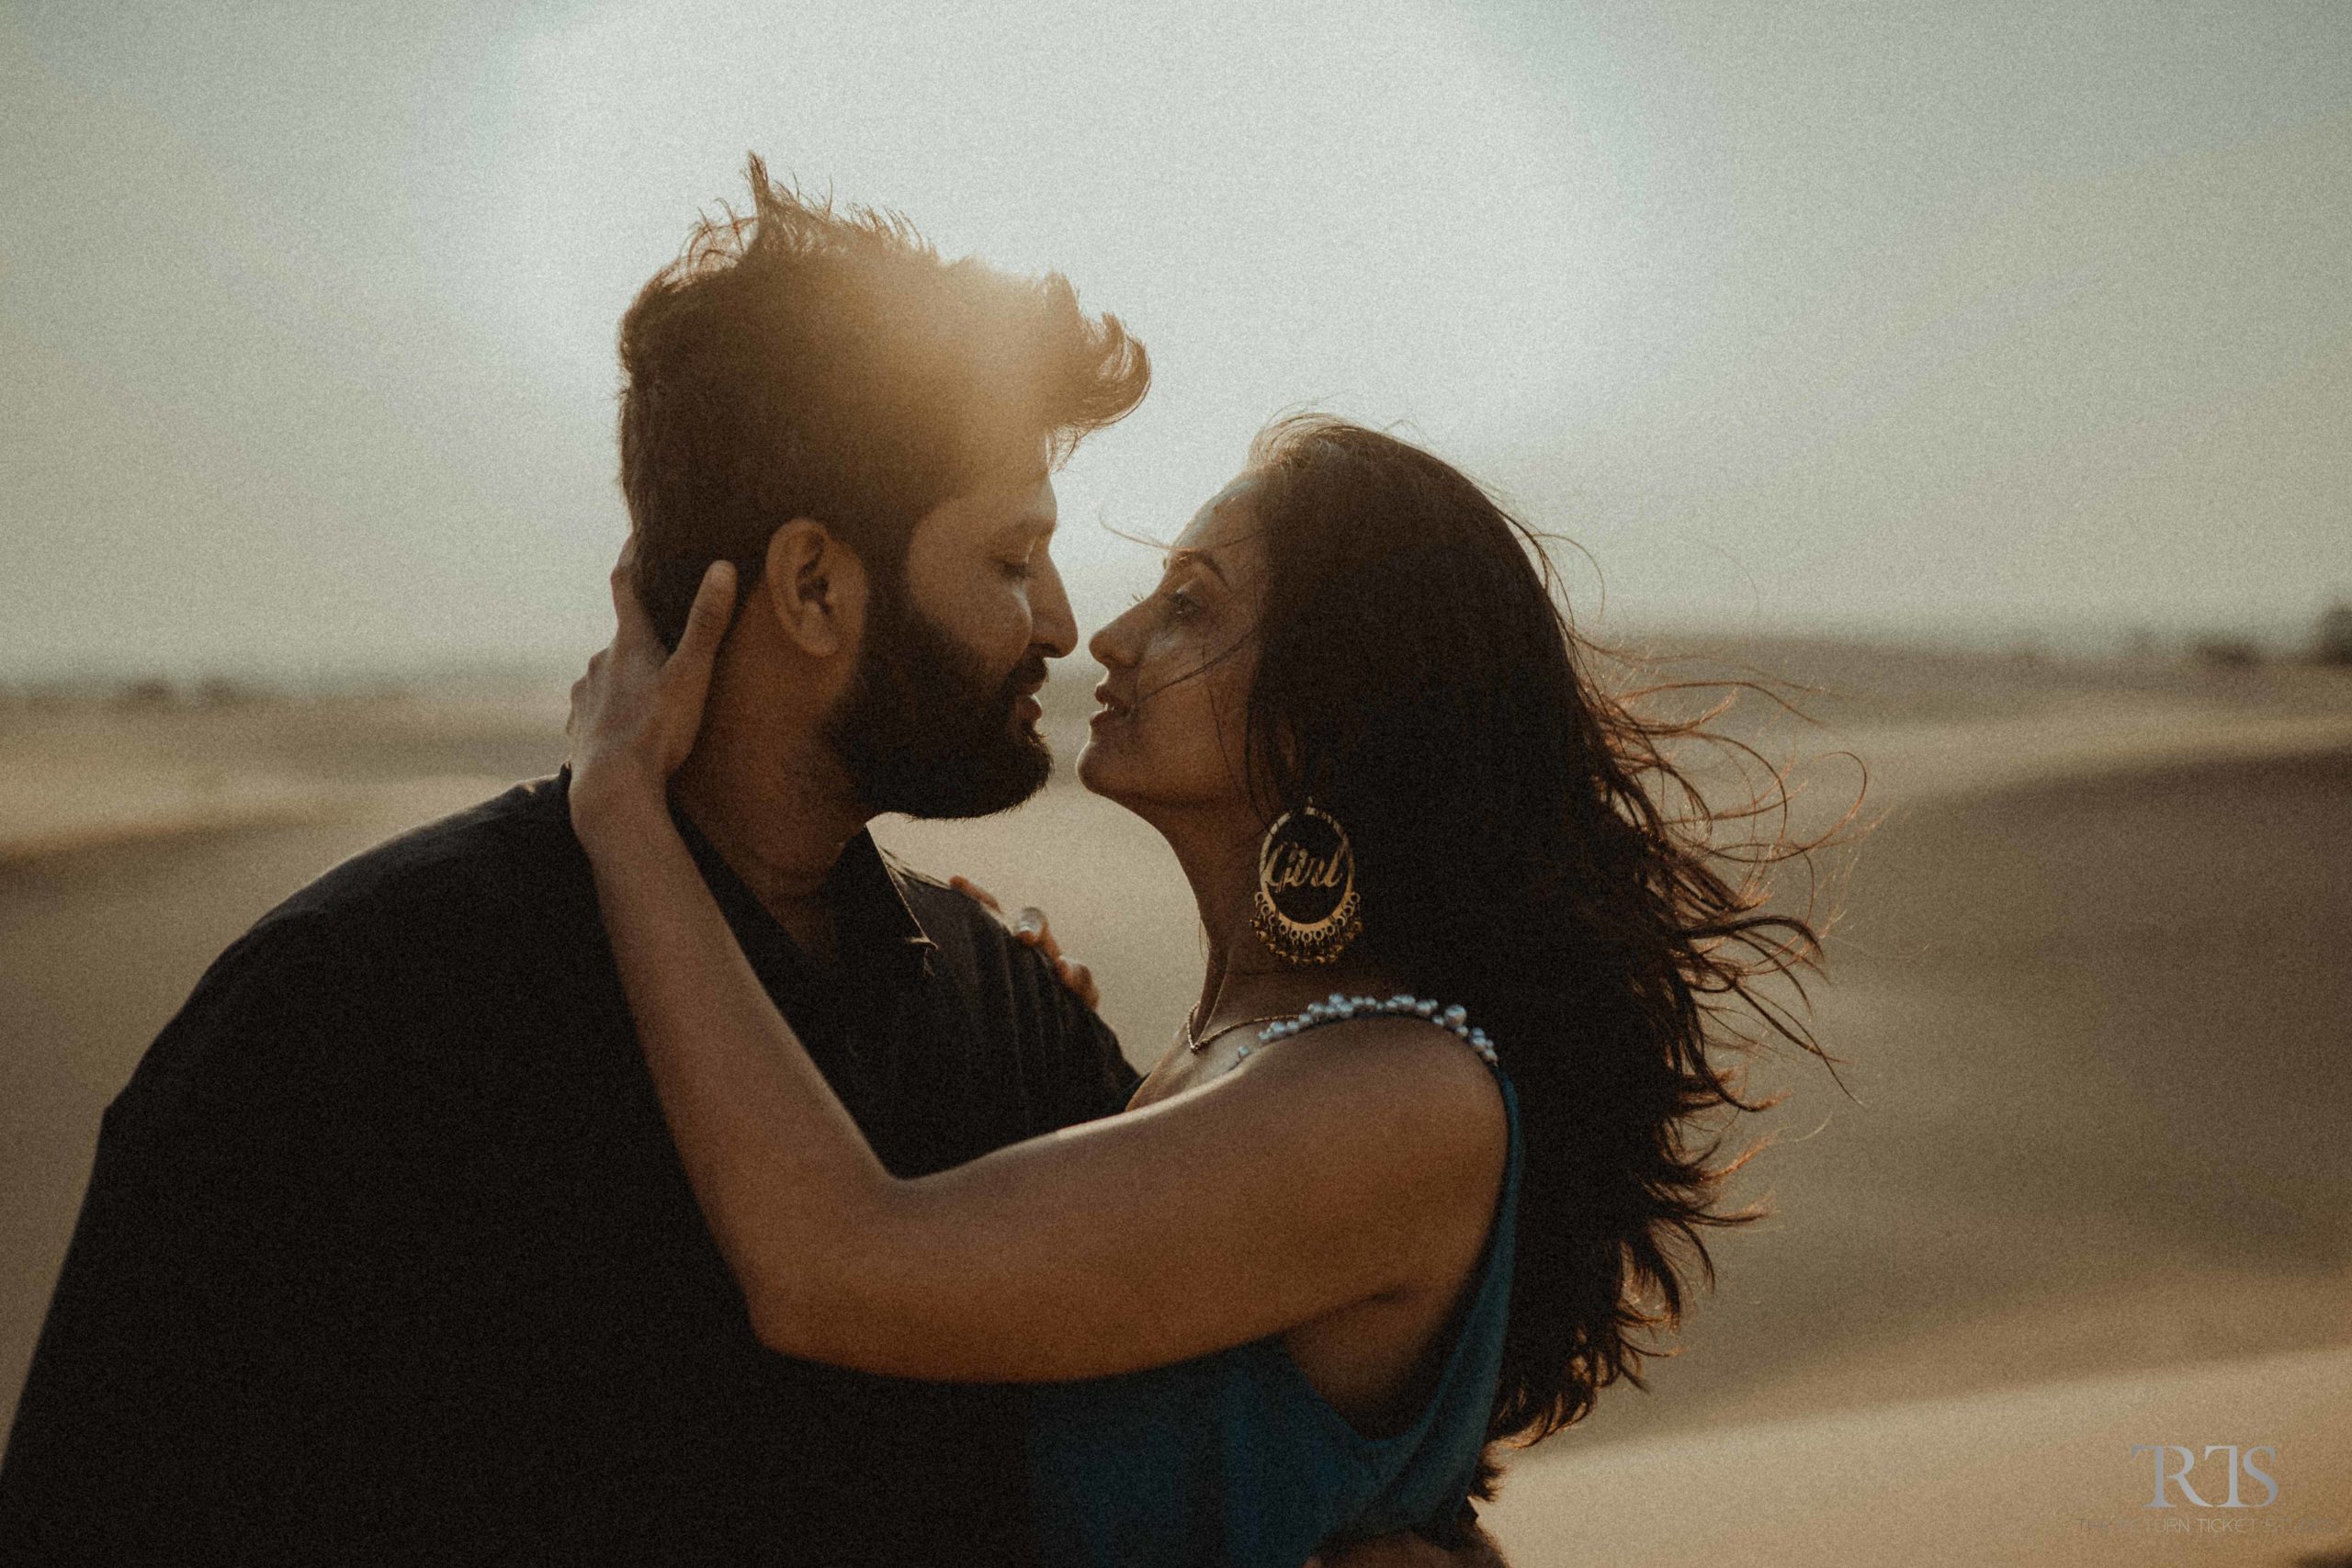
{"points": [[1187, 556]]}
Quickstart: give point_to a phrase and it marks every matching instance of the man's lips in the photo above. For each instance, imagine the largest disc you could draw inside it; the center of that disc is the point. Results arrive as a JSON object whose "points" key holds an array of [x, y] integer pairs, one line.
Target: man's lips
{"points": [[1026, 705]]}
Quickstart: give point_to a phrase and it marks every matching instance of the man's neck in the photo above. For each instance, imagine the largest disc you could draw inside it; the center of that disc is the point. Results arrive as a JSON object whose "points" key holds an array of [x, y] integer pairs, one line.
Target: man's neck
{"points": [[777, 812]]}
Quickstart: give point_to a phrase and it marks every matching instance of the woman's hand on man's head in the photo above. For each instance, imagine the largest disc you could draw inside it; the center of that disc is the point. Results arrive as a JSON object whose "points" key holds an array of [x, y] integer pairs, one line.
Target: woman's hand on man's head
{"points": [[635, 713]]}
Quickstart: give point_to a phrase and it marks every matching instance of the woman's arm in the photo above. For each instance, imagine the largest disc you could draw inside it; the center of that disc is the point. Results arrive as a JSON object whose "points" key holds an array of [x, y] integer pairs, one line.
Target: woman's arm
{"points": [[1318, 1177], [1331, 1171]]}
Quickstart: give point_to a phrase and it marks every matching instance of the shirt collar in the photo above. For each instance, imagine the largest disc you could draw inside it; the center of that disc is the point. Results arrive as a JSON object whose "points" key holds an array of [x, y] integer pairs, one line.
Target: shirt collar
{"points": [[865, 889]]}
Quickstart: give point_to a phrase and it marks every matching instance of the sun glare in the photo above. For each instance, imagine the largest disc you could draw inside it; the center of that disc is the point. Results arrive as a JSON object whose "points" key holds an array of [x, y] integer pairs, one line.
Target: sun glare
{"points": [[1379, 214]]}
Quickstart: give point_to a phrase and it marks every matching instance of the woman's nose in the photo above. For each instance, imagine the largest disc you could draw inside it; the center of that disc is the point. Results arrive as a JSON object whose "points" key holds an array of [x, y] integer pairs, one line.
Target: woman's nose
{"points": [[1114, 646]]}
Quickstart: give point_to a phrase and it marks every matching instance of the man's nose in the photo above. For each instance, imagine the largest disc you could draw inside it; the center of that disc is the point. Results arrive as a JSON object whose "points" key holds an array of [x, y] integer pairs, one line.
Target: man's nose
{"points": [[1051, 625]]}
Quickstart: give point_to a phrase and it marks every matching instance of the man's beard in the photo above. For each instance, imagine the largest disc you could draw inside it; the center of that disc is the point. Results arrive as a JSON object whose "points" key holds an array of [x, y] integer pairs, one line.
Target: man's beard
{"points": [[925, 730]]}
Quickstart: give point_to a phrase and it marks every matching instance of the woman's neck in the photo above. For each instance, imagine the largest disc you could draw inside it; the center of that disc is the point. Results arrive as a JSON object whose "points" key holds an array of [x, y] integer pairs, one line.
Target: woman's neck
{"points": [[1242, 978], [1254, 984]]}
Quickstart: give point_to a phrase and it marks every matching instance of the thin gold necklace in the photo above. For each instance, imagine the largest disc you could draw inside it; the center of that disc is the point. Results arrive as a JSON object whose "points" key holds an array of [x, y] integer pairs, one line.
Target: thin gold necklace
{"points": [[1200, 1043]]}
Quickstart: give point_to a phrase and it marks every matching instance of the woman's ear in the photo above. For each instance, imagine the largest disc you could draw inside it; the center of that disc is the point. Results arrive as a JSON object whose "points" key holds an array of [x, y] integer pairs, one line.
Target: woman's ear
{"points": [[815, 587], [1268, 769]]}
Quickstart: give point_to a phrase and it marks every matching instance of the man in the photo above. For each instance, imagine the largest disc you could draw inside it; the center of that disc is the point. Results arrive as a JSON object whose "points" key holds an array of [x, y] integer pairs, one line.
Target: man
{"points": [[387, 1255]]}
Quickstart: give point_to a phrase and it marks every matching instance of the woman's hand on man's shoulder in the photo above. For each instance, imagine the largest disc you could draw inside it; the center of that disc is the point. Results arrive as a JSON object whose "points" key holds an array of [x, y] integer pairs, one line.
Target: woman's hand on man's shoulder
{"points": [[1030, 929]]}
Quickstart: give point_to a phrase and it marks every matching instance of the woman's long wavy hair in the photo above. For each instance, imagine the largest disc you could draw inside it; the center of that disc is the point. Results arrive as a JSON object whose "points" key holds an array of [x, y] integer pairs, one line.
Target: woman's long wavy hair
{"points": [[1525, 845]]}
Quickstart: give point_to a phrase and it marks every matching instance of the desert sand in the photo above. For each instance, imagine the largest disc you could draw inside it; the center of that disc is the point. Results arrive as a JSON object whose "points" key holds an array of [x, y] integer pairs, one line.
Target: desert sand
{"points": [[2085, 1185]]}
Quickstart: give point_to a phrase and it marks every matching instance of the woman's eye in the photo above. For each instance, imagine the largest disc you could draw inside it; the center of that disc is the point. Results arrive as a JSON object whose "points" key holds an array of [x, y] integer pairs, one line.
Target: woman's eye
{"points": [[1182, 605]]}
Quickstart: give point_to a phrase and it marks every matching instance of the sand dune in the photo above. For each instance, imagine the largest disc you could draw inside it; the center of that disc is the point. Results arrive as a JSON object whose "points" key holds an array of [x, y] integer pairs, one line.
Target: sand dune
{"points": [[75, 776], [2034, 1477]]}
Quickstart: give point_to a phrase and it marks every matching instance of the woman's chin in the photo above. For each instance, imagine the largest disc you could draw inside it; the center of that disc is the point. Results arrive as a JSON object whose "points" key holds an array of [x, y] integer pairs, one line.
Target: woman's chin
{"points": [[1102, 771], [1095, 772]]}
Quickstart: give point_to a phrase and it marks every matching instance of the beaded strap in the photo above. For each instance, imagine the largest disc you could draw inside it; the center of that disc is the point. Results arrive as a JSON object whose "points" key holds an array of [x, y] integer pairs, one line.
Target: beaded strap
{"points": [[1337, 1008]]}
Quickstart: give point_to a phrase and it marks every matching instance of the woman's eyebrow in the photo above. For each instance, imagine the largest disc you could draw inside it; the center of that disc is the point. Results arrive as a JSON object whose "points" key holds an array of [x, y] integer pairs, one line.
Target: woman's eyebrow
{"points": [[1187, 556]]}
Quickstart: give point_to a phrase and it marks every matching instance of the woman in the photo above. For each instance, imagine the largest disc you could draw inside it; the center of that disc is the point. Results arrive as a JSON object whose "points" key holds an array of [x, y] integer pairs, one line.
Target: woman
{"points": [[1408, 1182]]}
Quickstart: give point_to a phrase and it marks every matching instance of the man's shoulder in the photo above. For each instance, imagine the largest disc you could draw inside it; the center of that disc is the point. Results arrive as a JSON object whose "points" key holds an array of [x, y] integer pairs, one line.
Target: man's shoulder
{"points": [[441, 925], [460, 891], [975, 940], [948, 914], [472, 860], [513, 838], [978, 943]]}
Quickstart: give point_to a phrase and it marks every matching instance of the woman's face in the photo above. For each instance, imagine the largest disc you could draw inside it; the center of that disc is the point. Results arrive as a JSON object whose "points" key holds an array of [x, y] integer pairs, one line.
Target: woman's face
{"points": [[1168, 736]]}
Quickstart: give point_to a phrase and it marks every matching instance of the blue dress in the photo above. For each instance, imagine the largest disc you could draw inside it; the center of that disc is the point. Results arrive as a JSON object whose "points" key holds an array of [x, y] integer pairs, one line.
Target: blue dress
{"points": [[1233, 1458]]}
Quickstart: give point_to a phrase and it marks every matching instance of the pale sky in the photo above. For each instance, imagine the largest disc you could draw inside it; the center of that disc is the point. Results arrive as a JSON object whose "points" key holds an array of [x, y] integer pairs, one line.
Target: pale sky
{"points": [[1953, 320]]}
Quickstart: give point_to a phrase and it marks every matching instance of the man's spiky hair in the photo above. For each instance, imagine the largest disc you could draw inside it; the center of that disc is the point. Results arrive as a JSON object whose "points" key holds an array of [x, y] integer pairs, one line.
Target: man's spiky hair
{"points": [[798, 361]]}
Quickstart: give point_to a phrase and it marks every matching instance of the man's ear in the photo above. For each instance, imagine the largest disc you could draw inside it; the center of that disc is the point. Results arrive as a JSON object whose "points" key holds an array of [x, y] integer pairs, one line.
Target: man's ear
{"points": [[815, 586]]}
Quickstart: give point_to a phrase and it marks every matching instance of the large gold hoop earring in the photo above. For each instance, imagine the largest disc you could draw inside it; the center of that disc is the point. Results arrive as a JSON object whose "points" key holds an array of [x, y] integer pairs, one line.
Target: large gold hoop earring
{"points": [[1306, 909]]}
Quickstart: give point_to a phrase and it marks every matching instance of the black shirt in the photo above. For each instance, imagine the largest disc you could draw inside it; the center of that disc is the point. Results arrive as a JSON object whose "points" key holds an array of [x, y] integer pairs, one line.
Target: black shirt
{"points": [[386, 1255]]}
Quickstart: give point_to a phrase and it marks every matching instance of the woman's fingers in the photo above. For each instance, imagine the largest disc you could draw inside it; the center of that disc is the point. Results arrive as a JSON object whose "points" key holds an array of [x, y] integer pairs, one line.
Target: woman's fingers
{"points": [[1078, 980], [627, 608], [713, 608], [1030, 929], [687, 673], [635, 714], [987, 900], [706, 620], [1028, 926]]}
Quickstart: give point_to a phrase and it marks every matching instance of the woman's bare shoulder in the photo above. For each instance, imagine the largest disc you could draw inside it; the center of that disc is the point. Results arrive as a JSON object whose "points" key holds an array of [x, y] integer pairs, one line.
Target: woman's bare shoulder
{"points": [[1401, 1072]]}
